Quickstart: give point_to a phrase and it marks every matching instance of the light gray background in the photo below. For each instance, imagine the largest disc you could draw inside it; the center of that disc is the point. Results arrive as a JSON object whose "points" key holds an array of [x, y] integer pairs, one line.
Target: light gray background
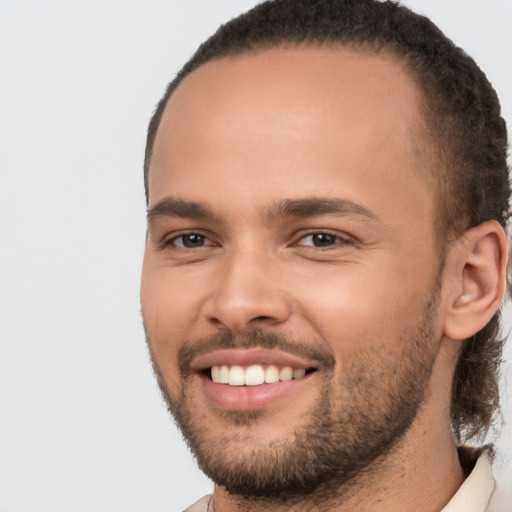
{"points": [[82, 426]]}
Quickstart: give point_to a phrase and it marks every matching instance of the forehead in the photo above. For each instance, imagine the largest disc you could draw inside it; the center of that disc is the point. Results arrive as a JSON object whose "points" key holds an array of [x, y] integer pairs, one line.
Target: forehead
{"points": [[283, 114]]}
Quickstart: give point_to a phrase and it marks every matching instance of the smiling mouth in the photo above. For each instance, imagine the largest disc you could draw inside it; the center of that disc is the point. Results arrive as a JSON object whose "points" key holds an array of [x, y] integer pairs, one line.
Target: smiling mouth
{"points": [[252, 379], [255, 374]]}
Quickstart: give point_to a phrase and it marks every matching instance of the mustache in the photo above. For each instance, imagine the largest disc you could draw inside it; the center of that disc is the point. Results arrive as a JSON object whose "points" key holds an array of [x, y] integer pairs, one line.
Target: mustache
{"points": [[257, 338]]}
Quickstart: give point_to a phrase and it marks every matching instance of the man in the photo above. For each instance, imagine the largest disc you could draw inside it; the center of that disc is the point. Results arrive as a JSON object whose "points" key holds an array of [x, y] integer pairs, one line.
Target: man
{"points": [[327, 193]]}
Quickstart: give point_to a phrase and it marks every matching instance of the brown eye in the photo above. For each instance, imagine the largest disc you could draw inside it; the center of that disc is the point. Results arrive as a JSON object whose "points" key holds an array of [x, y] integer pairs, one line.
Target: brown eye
{"points": [[321, 240], [190, 240]]}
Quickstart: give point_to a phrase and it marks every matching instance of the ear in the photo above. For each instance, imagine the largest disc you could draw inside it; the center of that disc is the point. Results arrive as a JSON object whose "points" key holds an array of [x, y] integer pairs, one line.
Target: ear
{"points": [[475, 278]]}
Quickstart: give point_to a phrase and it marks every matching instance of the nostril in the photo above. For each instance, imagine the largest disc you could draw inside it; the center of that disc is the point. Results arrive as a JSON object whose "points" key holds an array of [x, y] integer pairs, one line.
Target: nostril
{"points": [[217, 323]]}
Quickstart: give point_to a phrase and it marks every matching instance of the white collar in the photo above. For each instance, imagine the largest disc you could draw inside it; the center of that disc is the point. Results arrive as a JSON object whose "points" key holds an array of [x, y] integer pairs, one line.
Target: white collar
{"points": [[476, 491]]}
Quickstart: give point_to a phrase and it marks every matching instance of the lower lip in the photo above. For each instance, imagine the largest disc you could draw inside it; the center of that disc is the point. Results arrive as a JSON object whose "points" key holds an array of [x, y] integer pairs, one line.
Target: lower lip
{"points": [[250, 398]]}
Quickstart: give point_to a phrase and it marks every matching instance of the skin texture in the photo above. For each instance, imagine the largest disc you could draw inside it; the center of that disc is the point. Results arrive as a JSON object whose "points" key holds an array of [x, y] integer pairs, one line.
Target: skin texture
{"points": [[242, 136]]}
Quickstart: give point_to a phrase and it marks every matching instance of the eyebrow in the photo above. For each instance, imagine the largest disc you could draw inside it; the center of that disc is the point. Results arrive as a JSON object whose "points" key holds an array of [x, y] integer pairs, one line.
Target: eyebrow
{"points": [[313, 206], [174, 207], [297, 208]]}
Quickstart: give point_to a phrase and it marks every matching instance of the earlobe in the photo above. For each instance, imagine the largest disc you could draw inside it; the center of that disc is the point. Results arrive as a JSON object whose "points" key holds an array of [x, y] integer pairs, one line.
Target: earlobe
{"points": [[477, 267]]}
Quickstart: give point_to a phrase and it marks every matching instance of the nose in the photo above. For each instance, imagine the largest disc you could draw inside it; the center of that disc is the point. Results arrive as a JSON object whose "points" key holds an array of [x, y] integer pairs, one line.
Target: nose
{"points": [[248, 293]]}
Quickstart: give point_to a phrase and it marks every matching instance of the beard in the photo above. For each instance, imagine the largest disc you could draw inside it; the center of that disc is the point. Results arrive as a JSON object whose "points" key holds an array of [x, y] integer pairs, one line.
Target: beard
{"points": [[357, 419]]}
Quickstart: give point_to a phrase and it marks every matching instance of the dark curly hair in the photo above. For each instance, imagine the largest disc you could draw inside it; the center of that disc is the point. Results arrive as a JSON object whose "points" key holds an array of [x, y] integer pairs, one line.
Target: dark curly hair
{"points": [[461, 118]]}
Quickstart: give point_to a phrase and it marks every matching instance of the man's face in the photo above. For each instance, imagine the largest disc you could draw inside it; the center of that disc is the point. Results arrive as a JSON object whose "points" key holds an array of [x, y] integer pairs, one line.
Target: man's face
{"points": [[291, 232]]}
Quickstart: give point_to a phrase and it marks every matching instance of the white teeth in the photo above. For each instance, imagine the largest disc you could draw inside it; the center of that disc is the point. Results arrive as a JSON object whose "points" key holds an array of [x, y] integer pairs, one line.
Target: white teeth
{"points": [[286, 374], [236, 376], [223, 374], [254, 375], [297, 374], [271, 374]]}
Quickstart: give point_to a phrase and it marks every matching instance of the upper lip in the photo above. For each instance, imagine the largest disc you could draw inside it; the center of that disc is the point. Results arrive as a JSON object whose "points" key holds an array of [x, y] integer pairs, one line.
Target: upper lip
{"points": [[247, 357]]}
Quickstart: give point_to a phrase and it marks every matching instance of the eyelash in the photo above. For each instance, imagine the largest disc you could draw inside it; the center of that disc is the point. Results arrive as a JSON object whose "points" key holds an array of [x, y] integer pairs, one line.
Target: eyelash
{"points": [[338, 239], [171, 242]]}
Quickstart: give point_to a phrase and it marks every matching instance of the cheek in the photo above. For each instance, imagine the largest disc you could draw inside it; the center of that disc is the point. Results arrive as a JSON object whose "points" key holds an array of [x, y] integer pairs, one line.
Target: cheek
{"points": [[167, 314], [355, 308]]}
